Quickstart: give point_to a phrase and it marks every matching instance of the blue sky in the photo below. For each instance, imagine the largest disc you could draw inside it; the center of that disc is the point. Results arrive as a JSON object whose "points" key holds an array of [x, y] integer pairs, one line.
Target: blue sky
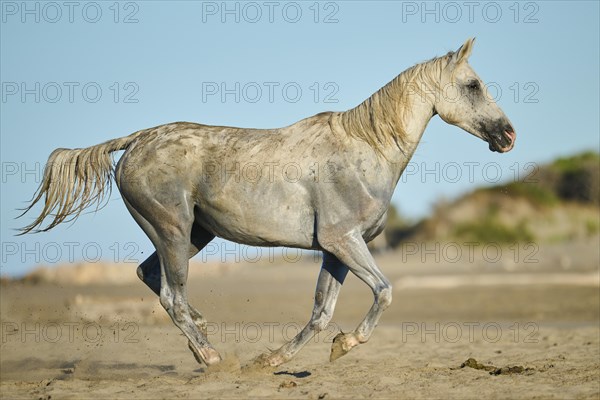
{"points": [[74, 76]]}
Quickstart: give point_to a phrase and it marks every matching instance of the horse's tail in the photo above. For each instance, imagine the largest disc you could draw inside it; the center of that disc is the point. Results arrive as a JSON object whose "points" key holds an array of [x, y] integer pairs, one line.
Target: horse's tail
{"points": [[75, 179]]}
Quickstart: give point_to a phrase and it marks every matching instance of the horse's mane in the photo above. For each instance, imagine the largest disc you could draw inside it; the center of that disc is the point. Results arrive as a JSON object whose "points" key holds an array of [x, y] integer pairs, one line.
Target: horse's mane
{"points": [[380, 119]]}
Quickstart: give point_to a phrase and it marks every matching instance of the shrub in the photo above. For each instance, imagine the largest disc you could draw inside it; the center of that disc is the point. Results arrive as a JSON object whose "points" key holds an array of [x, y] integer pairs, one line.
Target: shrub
{"points": [[490, 230]]}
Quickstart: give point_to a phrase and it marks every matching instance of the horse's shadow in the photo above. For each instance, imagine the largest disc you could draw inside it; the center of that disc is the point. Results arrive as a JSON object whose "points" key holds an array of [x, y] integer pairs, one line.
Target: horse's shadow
{"points": [[301, 374]]}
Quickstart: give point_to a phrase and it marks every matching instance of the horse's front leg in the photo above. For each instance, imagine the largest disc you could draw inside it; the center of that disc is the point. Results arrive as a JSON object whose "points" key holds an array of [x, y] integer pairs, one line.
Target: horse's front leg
{"points": [[351, 249], [330, 281]]}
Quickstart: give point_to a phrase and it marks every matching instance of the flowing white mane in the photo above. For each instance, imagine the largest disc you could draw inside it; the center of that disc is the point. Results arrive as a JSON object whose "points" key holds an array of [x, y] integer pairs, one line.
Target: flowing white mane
{"points": [[380, 119]]}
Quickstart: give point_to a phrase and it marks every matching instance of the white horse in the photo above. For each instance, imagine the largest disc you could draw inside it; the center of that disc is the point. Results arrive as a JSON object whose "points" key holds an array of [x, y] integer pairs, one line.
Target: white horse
{"points": [[177, 182]]}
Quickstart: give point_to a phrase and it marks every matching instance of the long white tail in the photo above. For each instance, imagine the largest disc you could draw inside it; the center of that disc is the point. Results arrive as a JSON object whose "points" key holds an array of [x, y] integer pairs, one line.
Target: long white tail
{"points": [[75, 179]]}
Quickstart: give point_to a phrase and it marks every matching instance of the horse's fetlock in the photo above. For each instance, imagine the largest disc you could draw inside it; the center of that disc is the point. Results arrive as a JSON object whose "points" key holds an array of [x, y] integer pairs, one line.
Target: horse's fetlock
{"points": [[362, 338]]}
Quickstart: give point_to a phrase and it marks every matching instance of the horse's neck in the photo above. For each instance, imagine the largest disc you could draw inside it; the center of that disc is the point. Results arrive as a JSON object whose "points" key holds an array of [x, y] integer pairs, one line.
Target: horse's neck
{"points": [[414, 127], [394, 118], [420, 113]]}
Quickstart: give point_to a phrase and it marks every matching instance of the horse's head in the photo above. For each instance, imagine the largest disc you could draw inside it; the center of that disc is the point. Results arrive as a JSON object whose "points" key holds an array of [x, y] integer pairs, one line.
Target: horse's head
{"points": [[463, 101]]}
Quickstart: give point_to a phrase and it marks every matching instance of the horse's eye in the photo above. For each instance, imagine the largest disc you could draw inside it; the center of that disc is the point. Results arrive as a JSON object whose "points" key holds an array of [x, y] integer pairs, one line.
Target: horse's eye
{"points": [[473, 85]]}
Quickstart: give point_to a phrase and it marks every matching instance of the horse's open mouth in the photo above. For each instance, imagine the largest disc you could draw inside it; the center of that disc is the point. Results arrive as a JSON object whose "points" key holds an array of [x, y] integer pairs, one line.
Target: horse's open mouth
{"points": [[502, 143]]}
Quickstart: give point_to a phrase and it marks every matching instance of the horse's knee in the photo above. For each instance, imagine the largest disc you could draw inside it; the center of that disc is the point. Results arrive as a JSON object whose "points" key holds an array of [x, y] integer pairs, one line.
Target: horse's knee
{"points": [[320, 320], [384, 297], [320, 323], [320, 316]]}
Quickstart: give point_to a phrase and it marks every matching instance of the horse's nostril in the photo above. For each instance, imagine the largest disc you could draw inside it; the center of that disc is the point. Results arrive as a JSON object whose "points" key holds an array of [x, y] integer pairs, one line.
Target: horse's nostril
{"points": [[510, 134], [509, 129]]}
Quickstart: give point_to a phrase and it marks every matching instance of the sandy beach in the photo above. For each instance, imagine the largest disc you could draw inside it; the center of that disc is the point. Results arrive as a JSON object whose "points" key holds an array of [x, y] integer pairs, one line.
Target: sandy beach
{"points": [[454, 330]]}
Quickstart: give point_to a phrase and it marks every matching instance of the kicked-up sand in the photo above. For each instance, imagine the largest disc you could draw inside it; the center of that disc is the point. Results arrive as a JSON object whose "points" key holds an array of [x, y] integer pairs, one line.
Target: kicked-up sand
{"points": [[454, 330]]}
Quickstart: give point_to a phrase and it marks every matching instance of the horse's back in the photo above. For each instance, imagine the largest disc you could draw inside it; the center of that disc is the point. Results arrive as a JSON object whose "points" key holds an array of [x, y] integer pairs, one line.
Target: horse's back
{"points": [[226, 175]]}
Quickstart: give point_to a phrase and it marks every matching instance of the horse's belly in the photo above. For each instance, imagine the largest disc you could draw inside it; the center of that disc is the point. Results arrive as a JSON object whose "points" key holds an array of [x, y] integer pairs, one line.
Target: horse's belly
{"points": [[262, 225]]}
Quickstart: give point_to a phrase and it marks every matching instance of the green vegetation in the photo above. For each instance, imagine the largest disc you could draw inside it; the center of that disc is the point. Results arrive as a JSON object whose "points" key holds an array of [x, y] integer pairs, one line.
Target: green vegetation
{"points": [[574, 179], [536, 194], [592, 227], [576, 162], [490, 230]]}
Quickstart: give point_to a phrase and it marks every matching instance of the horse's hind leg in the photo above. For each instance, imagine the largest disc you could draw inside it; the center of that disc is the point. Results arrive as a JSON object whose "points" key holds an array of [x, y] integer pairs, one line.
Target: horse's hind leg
{"points": [[330, 281], [149, 270], [170, 232], [149, 273], [172, 254]]}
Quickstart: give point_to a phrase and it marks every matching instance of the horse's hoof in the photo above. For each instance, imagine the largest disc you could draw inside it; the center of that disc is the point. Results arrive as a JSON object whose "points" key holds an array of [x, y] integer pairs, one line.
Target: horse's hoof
{"points": [[211, 356], [342, 344], [205, 355], [269, 360]]}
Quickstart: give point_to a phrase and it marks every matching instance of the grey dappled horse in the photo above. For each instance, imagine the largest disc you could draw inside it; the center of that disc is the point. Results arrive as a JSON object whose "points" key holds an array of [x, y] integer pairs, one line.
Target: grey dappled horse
{"points": [[349, 164]]}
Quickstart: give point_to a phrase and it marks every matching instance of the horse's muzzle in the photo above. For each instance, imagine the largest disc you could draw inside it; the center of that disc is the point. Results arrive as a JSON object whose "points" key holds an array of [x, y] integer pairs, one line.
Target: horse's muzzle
{"points": [[503, 142]]}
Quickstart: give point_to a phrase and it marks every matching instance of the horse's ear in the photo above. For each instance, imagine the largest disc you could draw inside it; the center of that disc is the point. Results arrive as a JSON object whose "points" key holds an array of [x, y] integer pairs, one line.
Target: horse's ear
{"points": [[463, 53]]}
